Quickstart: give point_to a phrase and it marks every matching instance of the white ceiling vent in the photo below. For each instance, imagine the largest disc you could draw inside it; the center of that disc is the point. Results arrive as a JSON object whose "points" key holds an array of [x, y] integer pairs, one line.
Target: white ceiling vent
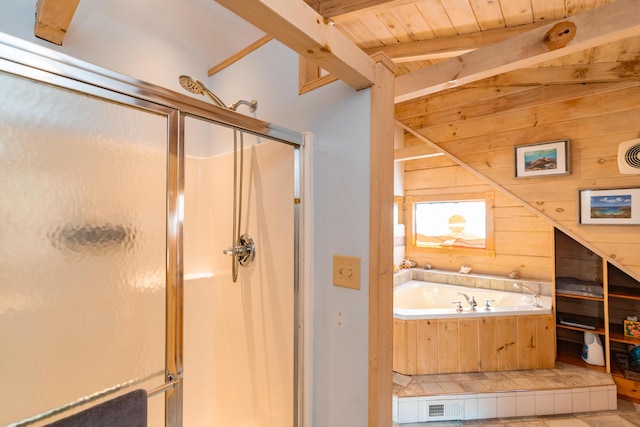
{"points": [[629, 157]]}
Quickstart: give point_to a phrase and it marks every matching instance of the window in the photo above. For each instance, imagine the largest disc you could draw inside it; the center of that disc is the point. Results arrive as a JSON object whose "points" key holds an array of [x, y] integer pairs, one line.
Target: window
{"points": [[462, 224]]}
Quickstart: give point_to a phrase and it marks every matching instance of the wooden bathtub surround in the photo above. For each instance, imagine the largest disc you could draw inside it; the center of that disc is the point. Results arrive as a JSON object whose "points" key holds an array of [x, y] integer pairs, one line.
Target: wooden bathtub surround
{"points": [[440, 346]]}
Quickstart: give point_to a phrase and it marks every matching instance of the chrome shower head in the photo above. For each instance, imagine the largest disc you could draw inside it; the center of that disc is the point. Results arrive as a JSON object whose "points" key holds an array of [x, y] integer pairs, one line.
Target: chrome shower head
{"points": [[194, 85]]}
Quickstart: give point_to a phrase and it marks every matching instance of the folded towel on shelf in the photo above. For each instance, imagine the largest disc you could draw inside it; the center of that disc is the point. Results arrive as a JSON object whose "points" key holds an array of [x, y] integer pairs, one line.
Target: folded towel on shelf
{"points": [[128, 410]]}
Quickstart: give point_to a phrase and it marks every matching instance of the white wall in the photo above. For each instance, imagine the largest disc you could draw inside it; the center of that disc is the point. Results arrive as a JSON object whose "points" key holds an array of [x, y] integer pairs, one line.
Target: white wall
{"points": [[151, 40], [339, 120]]}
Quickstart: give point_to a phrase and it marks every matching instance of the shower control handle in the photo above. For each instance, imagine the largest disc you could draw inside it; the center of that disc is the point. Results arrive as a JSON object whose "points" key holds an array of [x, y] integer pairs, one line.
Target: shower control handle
{"points": [[237, 250], [245, 250]]}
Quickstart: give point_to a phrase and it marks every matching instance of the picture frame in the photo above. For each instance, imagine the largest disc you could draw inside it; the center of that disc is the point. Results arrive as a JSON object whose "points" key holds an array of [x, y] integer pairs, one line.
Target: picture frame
{"points": [[609, 206], [542, 159]]}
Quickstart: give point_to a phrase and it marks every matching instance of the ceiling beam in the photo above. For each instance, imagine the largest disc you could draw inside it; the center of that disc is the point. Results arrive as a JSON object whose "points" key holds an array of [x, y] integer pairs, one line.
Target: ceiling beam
{"points": [[53, 18], [601, 72], [332, 8], [298, 26], [448, 47], [238, 56], [605, 24], [414, 152]]}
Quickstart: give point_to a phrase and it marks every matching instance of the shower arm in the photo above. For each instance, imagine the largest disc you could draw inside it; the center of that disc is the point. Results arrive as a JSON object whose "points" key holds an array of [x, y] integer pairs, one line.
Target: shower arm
{"points": [[253, 105]]}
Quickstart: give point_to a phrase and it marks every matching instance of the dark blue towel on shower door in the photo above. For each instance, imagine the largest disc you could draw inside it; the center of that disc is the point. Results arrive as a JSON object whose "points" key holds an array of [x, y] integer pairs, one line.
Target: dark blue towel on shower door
{"points": [[128, 410]]}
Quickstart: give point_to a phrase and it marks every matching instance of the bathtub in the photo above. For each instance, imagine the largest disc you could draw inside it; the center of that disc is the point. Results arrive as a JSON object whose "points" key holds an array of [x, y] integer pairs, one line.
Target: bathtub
{"points": [[426, 300], [431, 337]]}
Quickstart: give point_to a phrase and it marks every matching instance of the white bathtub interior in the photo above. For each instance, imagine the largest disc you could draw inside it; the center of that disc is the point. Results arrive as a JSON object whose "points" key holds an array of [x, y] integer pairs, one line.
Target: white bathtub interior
{"points": [[417, 299]]}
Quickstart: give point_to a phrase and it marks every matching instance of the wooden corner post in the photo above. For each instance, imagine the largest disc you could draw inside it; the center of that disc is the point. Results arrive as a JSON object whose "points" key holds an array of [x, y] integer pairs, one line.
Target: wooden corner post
{"points": [[381, 244]]}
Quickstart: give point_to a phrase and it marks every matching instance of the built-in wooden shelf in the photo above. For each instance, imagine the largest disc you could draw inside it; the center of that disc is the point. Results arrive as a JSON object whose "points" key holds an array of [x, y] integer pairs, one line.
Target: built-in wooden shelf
{"points": [[616, 334], [569, 352], [599, 331], [584, 297], [597, 322], [621, 299], [623, 293]]}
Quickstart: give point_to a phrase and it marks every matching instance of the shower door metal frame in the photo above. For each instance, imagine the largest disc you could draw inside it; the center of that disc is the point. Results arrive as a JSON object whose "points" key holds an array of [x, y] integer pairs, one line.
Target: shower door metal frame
{"points": [[25, 59]]}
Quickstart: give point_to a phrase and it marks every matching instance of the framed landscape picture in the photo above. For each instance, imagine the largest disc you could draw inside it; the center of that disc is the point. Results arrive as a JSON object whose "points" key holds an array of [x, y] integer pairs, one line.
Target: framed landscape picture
{"points": [[542, 159], [614, 206]]}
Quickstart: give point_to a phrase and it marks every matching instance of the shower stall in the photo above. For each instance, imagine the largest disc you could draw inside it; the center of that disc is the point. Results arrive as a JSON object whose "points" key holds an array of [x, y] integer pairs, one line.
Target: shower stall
{"points": [[115, 216]]}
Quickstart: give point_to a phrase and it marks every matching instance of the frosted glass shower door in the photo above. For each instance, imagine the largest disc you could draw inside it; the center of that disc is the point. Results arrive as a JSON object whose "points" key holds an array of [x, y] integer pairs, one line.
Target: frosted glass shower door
{"points": [[83, 225]]}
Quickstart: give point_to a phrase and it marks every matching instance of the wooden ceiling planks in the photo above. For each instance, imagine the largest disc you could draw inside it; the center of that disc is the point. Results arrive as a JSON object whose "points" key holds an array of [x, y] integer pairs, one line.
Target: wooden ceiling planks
{"points": [[376, 23]]}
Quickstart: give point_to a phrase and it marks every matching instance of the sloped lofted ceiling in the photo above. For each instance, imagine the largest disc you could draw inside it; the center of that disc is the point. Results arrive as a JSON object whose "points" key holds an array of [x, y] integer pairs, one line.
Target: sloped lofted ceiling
{"points": [[419, 33], [415, 34]]}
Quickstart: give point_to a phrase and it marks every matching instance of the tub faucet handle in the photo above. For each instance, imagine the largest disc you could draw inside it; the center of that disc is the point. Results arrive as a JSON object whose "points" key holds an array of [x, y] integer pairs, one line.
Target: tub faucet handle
{"points": [[472, 303], [487, 307], [458, 305]]}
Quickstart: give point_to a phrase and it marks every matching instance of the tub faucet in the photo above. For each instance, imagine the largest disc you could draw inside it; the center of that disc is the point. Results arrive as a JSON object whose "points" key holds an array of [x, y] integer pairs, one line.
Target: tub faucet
{"points": [[536, 298], [470, 300]]}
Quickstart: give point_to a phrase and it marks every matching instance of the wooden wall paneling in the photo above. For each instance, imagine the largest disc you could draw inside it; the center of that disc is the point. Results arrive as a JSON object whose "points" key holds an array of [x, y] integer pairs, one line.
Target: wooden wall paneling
{"points": [[412, 341], [623, 253], [445, 190], [399, 344], [526, 243], [522, 100], [429, 164], [607, 123], [527, 342], [448, 345], [529, 267], [620, 100], [555, 72], [468, 338], [545, 331], [506, 338], [499, 161], [449, 176], [427, 347], [524, 223], [451, 99], [487, 353]]}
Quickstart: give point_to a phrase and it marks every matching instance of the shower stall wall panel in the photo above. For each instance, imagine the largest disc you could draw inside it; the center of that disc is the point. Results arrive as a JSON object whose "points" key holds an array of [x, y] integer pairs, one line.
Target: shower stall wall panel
{"points": [[238, 344]]}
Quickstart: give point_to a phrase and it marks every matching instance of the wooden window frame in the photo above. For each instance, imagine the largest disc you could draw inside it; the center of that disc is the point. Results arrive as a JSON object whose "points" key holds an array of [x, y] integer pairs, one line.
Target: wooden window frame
{"points": [[490, 244]]}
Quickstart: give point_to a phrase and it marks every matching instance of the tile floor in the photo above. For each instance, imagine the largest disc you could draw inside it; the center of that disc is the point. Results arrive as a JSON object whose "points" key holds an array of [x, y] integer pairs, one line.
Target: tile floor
{"points": [[563, 376]]}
